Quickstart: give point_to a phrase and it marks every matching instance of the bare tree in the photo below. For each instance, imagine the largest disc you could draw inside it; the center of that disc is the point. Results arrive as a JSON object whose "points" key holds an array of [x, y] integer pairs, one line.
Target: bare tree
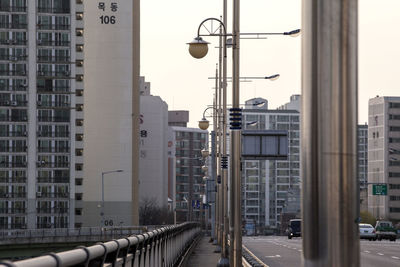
{"points": [[152, 214]]}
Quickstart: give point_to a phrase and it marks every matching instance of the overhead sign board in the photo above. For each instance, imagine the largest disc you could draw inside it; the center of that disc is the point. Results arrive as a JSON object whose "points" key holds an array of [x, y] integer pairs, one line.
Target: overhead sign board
{"points": [[379, 189], [265, 144]]}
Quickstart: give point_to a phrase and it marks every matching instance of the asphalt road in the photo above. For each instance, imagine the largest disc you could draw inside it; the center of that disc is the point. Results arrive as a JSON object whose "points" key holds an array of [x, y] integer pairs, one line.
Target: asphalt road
{"points": [[279, 251]]}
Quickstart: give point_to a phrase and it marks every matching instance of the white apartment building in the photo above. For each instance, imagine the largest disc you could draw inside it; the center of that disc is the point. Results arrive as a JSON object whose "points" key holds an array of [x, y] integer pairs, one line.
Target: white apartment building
{"points": [[111, 122], [384, 156], [267, 182], [154, 130], [41, 113]]}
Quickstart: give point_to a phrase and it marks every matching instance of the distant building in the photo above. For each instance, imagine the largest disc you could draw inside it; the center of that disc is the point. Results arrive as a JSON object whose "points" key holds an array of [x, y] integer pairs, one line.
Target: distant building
{"points": [[384, 156], [362, 152], [188, 167], [153, 162], [268, 182]]}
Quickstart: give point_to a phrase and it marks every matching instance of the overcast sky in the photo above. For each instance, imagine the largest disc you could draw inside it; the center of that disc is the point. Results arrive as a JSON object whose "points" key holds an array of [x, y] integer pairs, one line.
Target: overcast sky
{"points": [[182, 81]]}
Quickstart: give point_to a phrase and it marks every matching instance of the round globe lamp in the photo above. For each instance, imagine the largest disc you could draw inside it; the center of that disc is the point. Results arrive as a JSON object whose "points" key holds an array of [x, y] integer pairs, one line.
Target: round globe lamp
{"points": [[205, 153], [198, 48], [203, 124]]}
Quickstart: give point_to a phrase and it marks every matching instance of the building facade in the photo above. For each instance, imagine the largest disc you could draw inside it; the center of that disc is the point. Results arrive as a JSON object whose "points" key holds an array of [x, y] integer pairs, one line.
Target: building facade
{"points": [[384, 156], [111, 123], [362, 154], [266, 183], [190, 186], [153, 163], [41, 113]]}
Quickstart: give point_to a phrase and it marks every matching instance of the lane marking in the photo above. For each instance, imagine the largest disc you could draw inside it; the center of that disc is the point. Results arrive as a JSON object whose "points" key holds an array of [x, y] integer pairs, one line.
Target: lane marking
{"points": [[380, 254], [396, 258], [276, 256], [254, 256], [367, 251]]}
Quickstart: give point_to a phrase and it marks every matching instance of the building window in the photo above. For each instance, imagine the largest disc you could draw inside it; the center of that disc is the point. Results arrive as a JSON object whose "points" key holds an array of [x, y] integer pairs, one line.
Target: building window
{"points": [[78, 196], [79, 15], [79, 32], [79, 122], [394, 105], [394, 198], [79, 167], [79, 48], [395, 210], [79, 63], [79, 92], [394, 186]]}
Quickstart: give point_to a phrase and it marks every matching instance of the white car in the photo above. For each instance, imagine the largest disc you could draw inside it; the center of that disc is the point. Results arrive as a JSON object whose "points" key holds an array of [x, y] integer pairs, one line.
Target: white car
{"points": [[367, 231]]}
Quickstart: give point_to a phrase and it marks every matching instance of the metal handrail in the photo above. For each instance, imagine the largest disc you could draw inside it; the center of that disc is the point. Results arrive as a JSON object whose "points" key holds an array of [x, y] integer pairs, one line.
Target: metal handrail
{"points": [[161, 247]]}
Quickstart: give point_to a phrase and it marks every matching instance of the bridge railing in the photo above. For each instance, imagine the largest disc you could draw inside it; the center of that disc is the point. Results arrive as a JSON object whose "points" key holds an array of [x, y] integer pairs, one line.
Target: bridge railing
{"points": [[165, 246], [26, 236]]}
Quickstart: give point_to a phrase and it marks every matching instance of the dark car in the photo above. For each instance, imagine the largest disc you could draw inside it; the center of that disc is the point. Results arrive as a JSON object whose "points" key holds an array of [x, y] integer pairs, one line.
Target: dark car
{"points": [[294, 228]]}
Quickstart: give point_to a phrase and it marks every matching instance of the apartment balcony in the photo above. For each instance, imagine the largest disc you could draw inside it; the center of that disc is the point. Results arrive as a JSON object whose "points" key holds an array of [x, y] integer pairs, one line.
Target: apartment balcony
{"points": [[55, 10], [13, 164], [13, 118], [51, 225], [50, 74], [13, 134], [12, 195], [12, 73], [13, 42], [7, 8], [13, 103], [13, 211], [15, 26], [53, 59], [53, 104], [15, 149], [53, 150], [52, 210], [12, 226], [54, 27], [52, 195], [43, 164], [13, 180], [53, 119], [54, 180], [53, 90], [13, 58], [13, 88], [53, 134], [53, 43]]}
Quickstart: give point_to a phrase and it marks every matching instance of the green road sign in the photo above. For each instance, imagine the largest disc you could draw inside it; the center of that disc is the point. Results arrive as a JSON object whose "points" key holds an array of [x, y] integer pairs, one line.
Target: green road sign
{"points": [[379, 189]]}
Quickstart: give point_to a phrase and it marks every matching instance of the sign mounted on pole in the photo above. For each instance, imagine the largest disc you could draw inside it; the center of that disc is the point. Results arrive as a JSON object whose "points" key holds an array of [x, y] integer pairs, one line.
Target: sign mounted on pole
{"points": [[379, 189], [265, 144]]}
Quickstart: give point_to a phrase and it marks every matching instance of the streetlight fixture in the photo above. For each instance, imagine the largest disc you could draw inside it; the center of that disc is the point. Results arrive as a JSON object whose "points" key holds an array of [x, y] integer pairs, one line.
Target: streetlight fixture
{"points": [[198, 48], [102, 193]]}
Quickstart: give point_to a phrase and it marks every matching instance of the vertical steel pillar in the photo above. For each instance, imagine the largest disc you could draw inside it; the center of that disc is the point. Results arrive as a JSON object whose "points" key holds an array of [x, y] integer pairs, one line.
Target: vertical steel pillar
{"points": [[329, 133], [236, 196]]}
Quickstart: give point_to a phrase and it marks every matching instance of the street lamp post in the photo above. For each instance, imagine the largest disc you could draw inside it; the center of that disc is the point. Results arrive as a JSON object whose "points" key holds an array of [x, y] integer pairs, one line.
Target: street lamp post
{"points": [[102, 193], [198, 48]]}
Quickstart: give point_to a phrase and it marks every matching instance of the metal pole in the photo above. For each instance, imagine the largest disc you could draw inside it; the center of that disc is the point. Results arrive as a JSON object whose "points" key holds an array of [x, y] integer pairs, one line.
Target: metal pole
{"points": [[102, 199], [213, 211], [329, 133], [223, 261], [217, 159], [236, 196]]}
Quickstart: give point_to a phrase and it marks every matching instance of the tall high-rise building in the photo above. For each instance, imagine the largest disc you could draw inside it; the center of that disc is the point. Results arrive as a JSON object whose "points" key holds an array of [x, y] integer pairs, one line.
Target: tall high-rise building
{"points": [[362, 154], [153, 172], [190, 186], [111, 122], [268, 182], [384, 156], [41, 113]]}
